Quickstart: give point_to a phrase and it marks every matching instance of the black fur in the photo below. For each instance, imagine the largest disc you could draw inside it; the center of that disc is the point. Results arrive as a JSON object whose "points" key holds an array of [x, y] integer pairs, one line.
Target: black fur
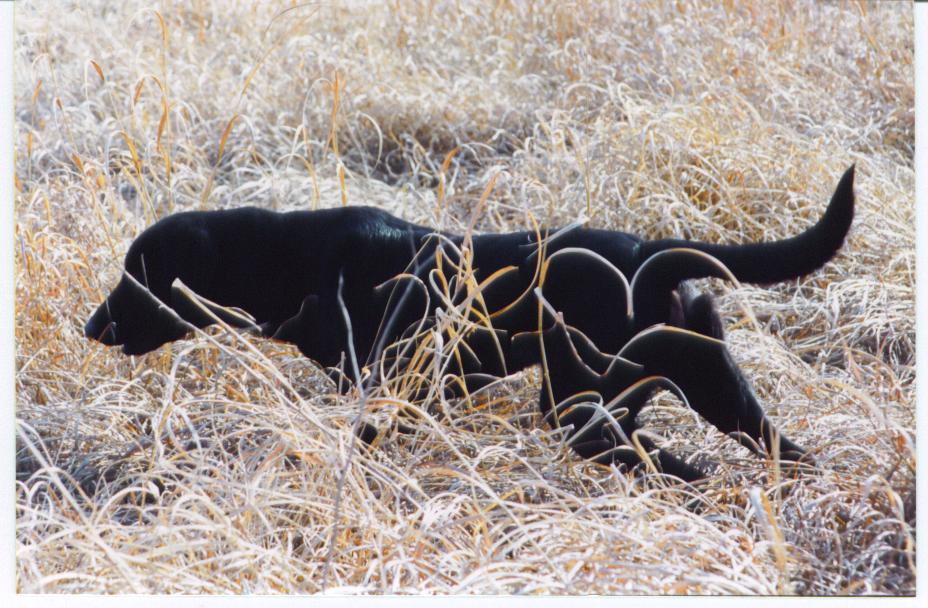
{"points": [[267, 263], [289, 272]]}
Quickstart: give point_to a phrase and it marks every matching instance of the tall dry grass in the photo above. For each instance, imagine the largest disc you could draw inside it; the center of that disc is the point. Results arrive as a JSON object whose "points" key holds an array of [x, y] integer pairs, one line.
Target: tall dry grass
{"points": [[226, 463]]}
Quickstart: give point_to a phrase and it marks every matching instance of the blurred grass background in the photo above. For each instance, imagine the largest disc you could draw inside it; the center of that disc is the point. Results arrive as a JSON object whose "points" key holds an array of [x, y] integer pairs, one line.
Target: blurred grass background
{"points": [[211, 465]]}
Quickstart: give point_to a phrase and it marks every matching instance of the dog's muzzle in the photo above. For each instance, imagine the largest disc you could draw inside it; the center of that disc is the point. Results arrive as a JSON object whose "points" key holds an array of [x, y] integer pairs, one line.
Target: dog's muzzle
{"points": [[101, 328]]}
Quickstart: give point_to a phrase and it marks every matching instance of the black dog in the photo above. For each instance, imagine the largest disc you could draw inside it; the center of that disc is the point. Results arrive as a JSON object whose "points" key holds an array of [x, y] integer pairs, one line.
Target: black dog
{"points": [[295, 273]]}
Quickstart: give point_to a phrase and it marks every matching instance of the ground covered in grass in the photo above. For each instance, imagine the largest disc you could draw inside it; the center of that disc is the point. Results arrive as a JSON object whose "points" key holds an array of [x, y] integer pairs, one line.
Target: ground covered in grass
{"points": [[226, 463]]}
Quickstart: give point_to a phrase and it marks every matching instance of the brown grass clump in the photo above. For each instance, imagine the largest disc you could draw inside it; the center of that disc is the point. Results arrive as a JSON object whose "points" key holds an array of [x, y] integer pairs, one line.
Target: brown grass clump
{"points": [[226, 464]]}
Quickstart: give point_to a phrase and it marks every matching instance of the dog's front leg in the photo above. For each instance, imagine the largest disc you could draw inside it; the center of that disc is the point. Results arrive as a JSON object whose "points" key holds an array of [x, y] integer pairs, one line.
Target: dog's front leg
{"points": [[606, 452]]}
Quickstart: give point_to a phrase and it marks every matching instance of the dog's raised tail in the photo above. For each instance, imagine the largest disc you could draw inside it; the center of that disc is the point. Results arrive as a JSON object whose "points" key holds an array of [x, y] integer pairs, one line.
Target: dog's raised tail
{"points": [[781, 260]]}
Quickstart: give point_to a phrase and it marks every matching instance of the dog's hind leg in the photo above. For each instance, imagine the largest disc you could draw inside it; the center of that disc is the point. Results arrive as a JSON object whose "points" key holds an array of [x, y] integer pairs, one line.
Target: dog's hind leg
{"points": [[713, 384], [696, 312]]}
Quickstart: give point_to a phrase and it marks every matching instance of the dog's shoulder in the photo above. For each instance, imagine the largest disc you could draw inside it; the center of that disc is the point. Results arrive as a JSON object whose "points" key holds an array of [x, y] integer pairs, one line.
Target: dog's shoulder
{"points": [[373, 221]]}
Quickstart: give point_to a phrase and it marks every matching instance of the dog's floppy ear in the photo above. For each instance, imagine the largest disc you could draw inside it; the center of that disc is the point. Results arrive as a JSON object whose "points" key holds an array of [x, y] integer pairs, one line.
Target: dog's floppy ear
{"points": [[297, 327], [317, 330], [201, 311]]}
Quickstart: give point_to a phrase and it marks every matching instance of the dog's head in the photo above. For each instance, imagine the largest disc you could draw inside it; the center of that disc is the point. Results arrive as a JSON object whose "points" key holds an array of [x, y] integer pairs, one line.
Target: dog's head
{"points": [[133, 317], [143, 311]]}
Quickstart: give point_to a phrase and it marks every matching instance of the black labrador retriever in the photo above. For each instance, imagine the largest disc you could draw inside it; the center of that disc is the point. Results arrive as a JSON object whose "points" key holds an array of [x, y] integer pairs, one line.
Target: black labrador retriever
{"points": [[561, 298]]}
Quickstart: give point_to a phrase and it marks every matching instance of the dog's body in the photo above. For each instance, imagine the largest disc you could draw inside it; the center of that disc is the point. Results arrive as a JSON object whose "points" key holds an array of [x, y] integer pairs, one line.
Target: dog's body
{"points": [[292, 271]]}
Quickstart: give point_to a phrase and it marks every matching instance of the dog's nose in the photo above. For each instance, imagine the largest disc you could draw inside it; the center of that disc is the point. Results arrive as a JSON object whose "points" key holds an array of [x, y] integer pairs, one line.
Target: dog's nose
{"points": [[101, 328]]}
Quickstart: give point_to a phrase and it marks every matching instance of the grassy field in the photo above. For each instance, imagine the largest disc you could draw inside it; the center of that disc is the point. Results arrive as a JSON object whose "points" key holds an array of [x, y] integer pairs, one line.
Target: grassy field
{"points": [[225, 463]]}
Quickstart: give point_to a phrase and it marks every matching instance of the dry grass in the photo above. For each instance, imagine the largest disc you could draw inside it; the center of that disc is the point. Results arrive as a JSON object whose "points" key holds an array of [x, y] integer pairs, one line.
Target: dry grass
{"points": [[213, 465]]}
